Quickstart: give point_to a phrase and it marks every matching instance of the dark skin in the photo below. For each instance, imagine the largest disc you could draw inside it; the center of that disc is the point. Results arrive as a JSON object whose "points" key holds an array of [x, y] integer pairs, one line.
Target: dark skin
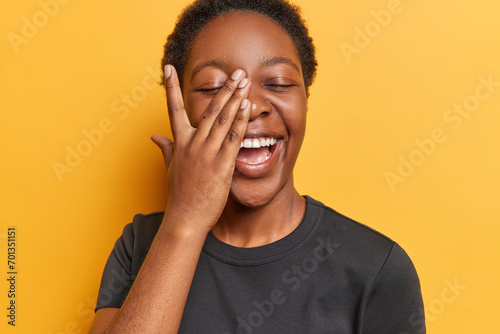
{"points": [[242, 80], [264, 205]]}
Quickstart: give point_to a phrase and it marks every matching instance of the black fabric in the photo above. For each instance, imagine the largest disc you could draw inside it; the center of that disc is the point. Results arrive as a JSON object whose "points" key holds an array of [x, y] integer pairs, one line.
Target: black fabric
{"points": [[330, 275]]}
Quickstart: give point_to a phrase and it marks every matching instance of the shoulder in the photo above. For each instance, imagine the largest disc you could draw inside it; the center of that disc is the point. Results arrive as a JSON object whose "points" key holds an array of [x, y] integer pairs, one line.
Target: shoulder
{"points": [[343, 228], [145, 226], [360, 248], [138, 236], [147, 223]]}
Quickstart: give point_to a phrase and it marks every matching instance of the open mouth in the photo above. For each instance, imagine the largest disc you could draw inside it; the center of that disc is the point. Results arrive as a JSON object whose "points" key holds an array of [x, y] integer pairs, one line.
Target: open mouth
{"points": [[254, 151]]}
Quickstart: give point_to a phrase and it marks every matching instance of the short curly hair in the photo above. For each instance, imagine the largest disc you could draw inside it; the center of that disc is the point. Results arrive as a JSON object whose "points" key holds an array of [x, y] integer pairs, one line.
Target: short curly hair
{"points": [[200, 12]]}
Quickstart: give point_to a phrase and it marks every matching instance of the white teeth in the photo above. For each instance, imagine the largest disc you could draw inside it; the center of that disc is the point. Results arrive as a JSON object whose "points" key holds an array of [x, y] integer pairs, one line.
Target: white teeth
{"points": [[258, 142], [247, 143]]}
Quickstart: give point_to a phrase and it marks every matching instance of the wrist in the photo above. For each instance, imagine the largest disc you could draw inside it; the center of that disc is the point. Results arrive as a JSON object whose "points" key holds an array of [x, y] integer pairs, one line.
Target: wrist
{"points": [[184, 227]]}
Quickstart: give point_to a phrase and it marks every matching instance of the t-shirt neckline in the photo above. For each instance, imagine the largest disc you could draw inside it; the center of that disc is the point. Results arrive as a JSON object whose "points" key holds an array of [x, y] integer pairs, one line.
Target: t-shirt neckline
{"points": [[274, 251]]}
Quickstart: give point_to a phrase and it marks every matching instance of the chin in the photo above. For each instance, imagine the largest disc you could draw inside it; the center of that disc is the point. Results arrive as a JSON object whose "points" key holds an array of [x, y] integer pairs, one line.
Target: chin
{"points": [[254, 193], [251, 199]]}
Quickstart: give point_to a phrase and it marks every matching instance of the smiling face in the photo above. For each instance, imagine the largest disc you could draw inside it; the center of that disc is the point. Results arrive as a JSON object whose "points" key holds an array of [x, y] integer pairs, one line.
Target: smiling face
{"points": [[256, 44]]}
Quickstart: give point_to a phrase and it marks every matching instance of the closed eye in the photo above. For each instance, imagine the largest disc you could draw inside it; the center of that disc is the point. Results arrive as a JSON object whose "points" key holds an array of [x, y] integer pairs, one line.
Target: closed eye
{"points": [[210, 91], [278, 88]]}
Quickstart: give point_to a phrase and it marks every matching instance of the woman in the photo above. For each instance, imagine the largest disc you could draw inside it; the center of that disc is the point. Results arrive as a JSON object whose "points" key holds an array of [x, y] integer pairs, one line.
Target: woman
{"points": [[238, 250]]}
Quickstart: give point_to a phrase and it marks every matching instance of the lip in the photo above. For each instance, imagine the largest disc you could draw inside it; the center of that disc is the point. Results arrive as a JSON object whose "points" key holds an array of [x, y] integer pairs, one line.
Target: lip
{"points": [[254, 171], [256, 133]]}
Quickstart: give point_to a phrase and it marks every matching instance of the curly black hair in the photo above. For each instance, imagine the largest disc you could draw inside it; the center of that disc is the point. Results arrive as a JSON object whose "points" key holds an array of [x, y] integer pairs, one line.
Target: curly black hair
{"points": [[200, 12]]}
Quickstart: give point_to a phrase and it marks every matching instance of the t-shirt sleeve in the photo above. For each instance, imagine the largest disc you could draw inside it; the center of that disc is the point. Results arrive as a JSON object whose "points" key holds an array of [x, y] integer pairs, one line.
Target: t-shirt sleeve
{"points": [[117, 277], [395, 304]]}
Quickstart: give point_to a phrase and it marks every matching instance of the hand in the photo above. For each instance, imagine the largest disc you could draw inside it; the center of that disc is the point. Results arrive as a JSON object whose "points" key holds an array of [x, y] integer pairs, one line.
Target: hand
{"points": [[201, 161]]}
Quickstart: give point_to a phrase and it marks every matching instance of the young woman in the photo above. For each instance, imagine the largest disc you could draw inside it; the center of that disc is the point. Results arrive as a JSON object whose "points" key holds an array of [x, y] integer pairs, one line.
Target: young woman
{"points": [[238, 249]]}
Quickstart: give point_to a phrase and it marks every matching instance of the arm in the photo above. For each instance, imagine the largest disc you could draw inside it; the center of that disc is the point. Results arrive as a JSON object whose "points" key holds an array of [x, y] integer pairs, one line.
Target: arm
{"points": [[199, 178]]}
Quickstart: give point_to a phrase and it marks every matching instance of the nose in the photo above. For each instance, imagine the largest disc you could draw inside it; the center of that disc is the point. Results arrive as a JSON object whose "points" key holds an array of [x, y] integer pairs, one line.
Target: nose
{"points": [[260, 104]]}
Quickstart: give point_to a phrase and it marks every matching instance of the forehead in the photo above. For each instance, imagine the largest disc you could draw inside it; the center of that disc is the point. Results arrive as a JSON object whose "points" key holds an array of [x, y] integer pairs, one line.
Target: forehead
{"points": [[242, 37]]}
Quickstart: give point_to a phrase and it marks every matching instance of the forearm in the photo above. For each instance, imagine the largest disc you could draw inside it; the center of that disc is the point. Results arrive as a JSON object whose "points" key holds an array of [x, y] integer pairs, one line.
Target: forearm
{"points": [[199, 180], [157, 298]]}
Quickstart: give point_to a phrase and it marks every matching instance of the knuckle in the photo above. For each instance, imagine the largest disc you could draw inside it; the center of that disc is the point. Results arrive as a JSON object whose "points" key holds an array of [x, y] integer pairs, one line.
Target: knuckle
{"points": [[222, 118], [239, 117], [211, 109], [232, 136], [169, 85], [174, 109], [235, 97], [227, 88]]}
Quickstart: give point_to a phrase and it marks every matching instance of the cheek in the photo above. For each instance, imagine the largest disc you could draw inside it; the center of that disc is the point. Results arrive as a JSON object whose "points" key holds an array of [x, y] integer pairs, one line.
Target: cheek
{"points": [[195, 107], [293, 112]]}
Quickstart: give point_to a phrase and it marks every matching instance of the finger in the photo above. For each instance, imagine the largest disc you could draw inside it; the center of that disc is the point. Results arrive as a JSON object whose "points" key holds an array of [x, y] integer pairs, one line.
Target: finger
{"points": [[225, 118], [179, 122], [167, 147], [218, 102], [232, 141]]}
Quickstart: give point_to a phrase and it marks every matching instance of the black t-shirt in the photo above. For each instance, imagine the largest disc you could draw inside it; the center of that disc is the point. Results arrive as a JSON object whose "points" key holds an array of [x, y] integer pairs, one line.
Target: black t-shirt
{"points": [[330, 275]]}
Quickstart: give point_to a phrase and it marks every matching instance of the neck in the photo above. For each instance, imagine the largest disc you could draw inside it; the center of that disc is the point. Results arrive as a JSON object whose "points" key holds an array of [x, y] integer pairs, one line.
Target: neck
{"points": [[242, 226]]}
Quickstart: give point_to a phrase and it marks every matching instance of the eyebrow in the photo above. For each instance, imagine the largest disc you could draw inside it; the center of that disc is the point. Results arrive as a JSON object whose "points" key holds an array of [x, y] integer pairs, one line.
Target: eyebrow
{"points": [[271, 61], [218, 63], [267, 62]]}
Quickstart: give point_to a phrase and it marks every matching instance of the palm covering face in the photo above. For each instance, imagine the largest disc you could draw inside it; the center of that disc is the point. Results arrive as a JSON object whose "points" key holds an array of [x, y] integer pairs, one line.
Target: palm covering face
{"points": [[201, 170]]}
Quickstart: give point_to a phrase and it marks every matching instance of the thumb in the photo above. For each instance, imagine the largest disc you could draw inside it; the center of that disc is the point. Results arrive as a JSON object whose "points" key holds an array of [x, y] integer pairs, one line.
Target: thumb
{"points": [[167, 147]]}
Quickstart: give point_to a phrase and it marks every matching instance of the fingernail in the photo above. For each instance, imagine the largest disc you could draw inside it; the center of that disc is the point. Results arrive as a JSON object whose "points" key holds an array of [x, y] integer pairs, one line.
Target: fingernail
{"points": [[237, 75], [244, 104], [167, 71], [243, 83]]}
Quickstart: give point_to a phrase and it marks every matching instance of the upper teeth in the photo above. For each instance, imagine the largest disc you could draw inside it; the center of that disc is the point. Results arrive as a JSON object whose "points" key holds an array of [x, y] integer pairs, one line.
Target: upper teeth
{"points": [[258, 142]]}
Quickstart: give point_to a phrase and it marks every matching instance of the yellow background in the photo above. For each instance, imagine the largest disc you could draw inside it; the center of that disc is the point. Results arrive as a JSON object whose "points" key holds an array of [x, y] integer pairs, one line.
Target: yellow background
{"points": [[366, 111]]}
